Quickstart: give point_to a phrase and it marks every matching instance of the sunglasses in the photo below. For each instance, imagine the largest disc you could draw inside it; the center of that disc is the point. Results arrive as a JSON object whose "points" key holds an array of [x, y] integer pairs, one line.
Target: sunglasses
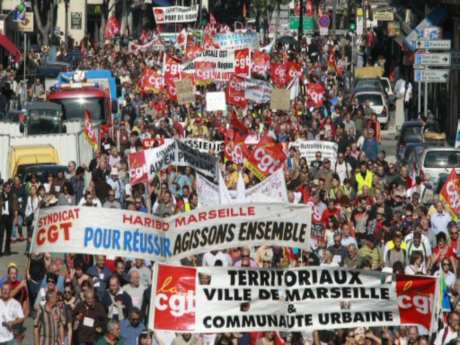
{"points": [[67, 291], [51, 281]]}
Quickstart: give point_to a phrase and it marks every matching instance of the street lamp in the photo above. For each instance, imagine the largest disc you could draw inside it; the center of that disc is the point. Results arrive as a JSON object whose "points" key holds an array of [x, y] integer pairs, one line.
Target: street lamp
{"points": [[66, 22]]}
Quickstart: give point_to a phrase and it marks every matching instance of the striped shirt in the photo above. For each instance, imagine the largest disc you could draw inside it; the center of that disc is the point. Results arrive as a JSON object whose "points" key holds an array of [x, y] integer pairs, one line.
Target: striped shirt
{"points": [[49, 323]]}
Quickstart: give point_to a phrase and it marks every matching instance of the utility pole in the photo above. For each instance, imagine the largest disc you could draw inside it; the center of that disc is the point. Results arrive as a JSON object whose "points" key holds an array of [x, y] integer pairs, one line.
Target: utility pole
{"points": [[66, 22], [300, 32], [334, 16]]}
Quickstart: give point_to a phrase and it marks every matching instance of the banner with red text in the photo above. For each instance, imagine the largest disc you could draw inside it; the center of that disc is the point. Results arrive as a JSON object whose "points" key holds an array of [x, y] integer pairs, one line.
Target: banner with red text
{"points": [[175, 14], [123, 233], [220, 299]]}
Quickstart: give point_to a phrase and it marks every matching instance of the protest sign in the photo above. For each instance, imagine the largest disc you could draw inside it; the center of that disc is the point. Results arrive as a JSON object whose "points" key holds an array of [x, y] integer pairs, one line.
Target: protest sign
{"points": [[175, 14], [214, 64], [281, 99], [308, 149], [145, 164], [104, 231], [215, 101], [185, 92], [220, 299], [205, 146], [243, 62], [316, 93], [272, 189], [258, 91], [237, 40]]}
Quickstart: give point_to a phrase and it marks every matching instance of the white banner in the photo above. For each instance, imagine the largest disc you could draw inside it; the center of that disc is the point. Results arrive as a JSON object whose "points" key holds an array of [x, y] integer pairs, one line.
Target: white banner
{"points": [[272, 189], [258, 91], [308, 149], [219, 299], [172, 152], [123, 233], [175, 14], [215, 101], [204, 145], [237, 40]]}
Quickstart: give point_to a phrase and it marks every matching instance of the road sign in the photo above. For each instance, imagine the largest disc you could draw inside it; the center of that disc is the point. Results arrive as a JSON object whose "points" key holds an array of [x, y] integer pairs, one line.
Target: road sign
{"points": [[431, 75], [434, 44], [455, 59], [432, 59]]}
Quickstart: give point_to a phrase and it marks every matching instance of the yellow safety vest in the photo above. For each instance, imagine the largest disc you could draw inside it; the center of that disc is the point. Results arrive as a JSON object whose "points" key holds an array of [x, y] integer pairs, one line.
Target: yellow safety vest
{"points": [[367, 181]]}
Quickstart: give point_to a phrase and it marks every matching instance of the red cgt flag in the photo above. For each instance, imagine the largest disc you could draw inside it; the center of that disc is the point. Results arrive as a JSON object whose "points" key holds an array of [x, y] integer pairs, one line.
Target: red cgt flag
{"points": [[450, 193], [265, 158]]}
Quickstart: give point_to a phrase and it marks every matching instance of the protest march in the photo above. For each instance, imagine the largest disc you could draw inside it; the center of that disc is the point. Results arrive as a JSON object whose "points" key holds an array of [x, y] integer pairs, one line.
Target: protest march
{"points": [[197, 180]]}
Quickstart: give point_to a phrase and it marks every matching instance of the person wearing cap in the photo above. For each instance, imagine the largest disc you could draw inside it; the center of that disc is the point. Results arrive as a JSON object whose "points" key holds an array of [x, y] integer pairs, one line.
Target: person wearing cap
{"points": [[116, 185], [369, 252]]}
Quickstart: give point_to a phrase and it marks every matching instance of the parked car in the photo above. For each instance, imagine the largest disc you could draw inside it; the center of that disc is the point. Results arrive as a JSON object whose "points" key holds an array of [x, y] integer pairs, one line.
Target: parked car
{"points": [[435, 163], [377, 102]]}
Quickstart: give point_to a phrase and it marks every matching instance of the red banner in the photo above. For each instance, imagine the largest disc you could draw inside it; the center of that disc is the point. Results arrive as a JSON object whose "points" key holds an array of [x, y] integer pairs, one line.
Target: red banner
{"points": [[242, 62], [265, 158], [315, 95], [450, 192], [260, 63], [235, 92]]}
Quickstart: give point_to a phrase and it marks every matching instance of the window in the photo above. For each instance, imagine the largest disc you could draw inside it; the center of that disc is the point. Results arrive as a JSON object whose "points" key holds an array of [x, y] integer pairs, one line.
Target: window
{"points": [[74, 108], [442, 159], [370, 99]]}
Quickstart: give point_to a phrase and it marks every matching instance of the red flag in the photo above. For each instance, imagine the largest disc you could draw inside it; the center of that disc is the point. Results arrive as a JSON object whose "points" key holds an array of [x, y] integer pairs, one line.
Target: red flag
{"points": [[151, 81], [88, 130], [212, 19], [260, 63], [266, 157], [209, 43], [242, 61], [238, 125], [315, 95], [235, 92], [112, 28], [450, 193], [279, 75], [181, 40]]}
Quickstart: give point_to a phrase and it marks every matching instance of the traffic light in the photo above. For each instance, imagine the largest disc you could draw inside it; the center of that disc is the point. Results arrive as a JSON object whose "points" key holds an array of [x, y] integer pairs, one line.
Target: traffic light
{"points": [[352, 26]]}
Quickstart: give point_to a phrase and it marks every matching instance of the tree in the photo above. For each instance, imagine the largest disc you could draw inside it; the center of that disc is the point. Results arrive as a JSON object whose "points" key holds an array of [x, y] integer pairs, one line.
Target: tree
{"points": [[45, 17]]}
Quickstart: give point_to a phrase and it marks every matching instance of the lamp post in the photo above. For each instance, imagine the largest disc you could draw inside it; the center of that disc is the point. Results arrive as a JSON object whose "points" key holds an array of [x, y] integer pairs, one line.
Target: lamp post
{"points": [[66, 22]]}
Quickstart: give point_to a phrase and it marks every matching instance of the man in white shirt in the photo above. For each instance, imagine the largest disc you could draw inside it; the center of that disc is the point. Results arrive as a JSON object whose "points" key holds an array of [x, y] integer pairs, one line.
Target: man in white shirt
{"points": [[440, 220], [11, 315], [448, 332], [217, 258]]}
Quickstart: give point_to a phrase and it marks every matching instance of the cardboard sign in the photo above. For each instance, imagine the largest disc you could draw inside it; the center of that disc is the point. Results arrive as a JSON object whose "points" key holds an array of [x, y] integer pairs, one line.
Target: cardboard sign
{"points": [[185, 92], [215, 101], [280, 100]]}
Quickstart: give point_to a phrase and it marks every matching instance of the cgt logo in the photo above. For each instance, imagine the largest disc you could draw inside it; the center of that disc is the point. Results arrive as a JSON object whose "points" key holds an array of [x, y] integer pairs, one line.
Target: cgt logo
{"points": [[137, 168], [415, 299], [175, 298]]}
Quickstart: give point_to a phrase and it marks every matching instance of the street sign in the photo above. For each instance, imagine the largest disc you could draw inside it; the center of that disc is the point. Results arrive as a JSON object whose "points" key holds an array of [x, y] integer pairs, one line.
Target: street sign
{"points": [[432, 59], [384, 16], [431, 75], [434, 44], [455, 59]]}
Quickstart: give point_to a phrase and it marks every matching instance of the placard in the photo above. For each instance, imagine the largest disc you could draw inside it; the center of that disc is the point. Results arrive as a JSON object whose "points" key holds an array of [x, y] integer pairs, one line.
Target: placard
{"points": [[215, 101], [281, 100], [175, 14], [308, 149], [185, 92]]}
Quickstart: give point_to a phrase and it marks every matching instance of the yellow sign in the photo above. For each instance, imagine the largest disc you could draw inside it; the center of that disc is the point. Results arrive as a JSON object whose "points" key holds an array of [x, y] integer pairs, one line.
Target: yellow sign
{"points": [[384, 16], [27, 25], [359, 12]]}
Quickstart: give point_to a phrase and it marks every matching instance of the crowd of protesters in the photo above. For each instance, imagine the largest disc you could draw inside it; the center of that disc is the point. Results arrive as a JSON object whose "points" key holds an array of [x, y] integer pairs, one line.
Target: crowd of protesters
{"points": [[368, 213]]}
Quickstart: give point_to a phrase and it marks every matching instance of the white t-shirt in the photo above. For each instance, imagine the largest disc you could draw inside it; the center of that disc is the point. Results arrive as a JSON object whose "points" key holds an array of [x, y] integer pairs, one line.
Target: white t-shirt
{"points": [[9, 311], [210, 259]]}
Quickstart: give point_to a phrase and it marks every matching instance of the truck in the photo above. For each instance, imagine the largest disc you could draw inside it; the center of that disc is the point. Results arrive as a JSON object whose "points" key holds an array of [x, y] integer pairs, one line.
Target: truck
{"points": [[40, 138]]}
